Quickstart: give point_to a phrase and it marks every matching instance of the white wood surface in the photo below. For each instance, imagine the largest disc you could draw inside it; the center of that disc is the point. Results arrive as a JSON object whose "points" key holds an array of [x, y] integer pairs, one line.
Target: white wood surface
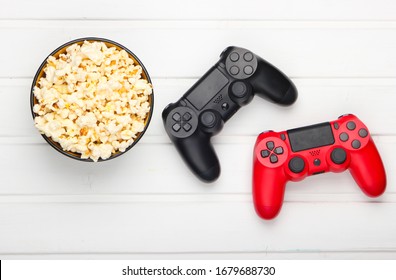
{"points": [[146, 204]]}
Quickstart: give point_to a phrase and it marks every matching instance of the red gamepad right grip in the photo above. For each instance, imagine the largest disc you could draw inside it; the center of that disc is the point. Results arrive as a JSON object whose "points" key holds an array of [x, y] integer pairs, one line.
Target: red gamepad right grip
{"points": [[292, 155]]}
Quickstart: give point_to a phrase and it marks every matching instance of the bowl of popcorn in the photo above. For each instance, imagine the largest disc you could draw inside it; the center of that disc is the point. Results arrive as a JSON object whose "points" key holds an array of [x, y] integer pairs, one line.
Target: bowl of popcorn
{"points": [[92, 99]]}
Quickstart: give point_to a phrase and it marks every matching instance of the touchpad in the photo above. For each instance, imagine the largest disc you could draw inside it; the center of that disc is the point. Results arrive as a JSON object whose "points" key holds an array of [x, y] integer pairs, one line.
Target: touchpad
{"points": [[206, 89], [310, 137]]}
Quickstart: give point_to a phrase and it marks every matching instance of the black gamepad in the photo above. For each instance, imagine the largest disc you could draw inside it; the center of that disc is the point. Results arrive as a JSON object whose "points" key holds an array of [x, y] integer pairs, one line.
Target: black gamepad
{"points": [[215, 98]]}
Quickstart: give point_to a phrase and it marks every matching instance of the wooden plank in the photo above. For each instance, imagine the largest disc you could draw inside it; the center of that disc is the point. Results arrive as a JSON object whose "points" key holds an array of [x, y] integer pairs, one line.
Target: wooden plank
{"points": [[355, 255], [204, 9], [202, 197], [319, 100], [189, 228], [300, 49], [152, 168]]}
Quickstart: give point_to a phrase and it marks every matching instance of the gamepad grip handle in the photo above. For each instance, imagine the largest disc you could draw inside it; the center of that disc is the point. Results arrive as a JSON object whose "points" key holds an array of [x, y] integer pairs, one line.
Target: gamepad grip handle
{"points": [[198, 153], [268, 190], [270, 83], [368, 171]]}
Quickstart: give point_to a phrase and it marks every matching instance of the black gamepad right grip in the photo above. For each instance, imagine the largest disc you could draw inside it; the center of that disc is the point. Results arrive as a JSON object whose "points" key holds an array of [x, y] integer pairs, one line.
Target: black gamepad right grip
{"points": [[202, 111], [271, 84]]}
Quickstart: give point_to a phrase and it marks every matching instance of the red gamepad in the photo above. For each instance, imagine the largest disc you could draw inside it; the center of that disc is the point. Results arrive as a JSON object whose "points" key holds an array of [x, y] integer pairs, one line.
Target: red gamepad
{"points": [[292, 155]]}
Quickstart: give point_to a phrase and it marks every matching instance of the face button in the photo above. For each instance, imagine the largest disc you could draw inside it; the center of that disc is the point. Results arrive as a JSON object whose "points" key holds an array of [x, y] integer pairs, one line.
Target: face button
{"points": [[278, 150], [338, 156], [225, 106], [356, 144], [176, 117], [187, 116], [363, 132], [239, 89], [248, 56], [208, 119], [234, 56], [273, 159], [336, 126], [248, 70], [234, 70], [344, 137], [270, 145], [283, 137], [316, 162], [187, 127], [296, 165], [240, 63], [265, 153], [176, 127], [351, 125]]}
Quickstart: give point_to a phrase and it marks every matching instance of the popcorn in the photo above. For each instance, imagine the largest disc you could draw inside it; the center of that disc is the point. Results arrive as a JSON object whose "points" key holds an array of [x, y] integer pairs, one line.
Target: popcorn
{"points": [[92, 100]]}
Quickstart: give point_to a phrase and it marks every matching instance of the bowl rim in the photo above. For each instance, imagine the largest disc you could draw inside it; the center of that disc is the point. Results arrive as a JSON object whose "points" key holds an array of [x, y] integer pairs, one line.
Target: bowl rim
{"points": [[56, 145]]}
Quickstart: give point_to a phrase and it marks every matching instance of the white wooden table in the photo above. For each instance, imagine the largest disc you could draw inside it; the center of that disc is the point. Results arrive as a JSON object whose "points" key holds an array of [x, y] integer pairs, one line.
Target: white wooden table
{"points": [[147, 204]]}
